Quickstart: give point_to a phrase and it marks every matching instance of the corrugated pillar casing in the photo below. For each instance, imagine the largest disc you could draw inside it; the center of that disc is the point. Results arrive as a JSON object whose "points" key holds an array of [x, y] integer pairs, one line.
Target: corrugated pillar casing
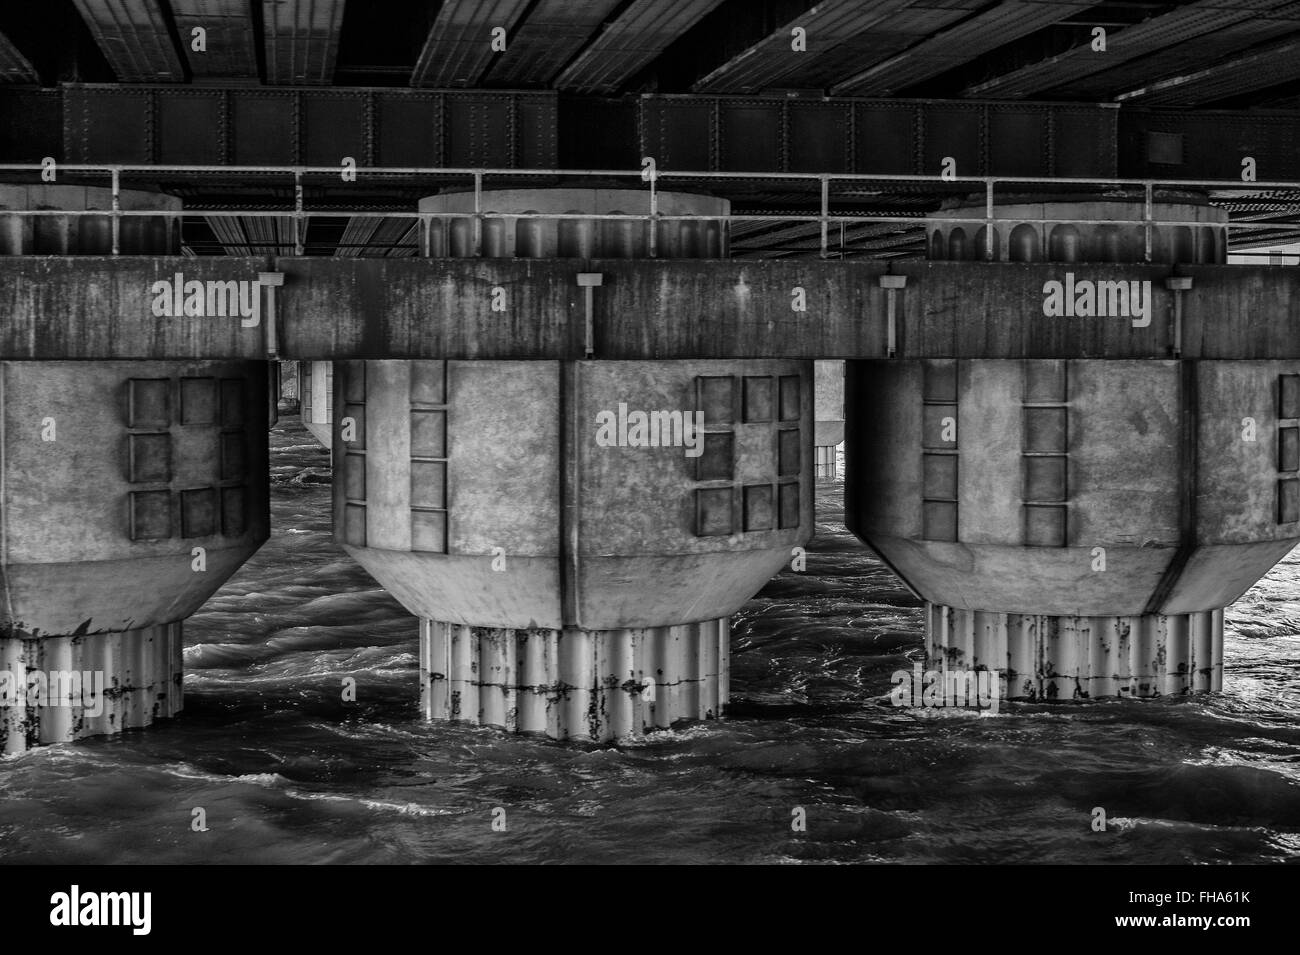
{"points": [[129, 492], [573, 535], [1078, 525]]}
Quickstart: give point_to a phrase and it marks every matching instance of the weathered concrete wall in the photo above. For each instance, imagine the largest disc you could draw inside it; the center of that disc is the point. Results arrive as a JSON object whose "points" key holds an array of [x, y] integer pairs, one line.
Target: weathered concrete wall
{"points": [[88, 307]]}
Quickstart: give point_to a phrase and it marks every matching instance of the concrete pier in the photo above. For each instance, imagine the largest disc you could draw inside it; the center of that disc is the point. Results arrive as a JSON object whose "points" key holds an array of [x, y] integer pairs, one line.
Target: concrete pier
{"points": [[129, 492], [574, 535], [1078, 525]]}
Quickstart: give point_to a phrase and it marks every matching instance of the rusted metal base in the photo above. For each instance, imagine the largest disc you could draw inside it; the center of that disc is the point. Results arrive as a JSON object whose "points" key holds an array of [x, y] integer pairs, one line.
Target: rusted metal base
{"points": [[1045, 657], [58, 689], [574, 684]]}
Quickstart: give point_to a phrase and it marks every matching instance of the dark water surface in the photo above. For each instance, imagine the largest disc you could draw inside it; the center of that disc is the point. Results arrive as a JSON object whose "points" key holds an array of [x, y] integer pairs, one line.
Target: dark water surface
{"points": [[286, 772]]}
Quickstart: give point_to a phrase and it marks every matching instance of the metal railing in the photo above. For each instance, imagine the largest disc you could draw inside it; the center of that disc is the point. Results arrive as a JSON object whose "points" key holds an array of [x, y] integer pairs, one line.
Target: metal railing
{"points": [[650, 179]]}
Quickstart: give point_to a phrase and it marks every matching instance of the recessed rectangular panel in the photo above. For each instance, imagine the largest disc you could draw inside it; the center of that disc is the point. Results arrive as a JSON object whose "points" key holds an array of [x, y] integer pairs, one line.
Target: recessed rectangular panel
{"points": [[354, 525], [716, 461], [151, 515], [886, 139], [939, 426], [1288, 501], [714, 398], [354, 477], [150, 458], [791, 404], [789, 505], [788, 447], [939, 476], [1045, 430], [939, 383], [1045, 525], [428, 382], [198, 512], [149, 403], [1044, 381], [354, 381], [198, 401], [429, 531], [758, 399], [1288, 449], [234, 519], [428, 434], [713, 517], [232, 455], [1045, 479], [818, 137], [232, 402], [428, 484], [759, 508], [939, 520], [1288, 396]]}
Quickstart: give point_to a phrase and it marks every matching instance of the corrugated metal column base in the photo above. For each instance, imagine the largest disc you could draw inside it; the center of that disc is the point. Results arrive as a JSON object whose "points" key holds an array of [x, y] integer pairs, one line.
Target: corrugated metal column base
{"points": [[57, 689], [574, 684], [1070, 658]]}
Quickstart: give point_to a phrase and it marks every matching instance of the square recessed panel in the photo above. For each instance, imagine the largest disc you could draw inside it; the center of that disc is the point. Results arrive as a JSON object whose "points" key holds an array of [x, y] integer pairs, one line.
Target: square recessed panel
{"points": [[354, 525], [151, 515], [758, 399], [715, 463], [1045, 381], [1045, 430], [1165, 149], [939, 426], [1288, 396], [149, 403], [233, 515], [354, 477], [940, 381], [232, 402], [939, 476], [759, 510], [198, 401], [428, 434], [714, 397], [788, 504], [428, 382], [713, 512], [1288, 501], [1045, 479], [428, 484], [1288, 449], [791, 403], [1045, 525], [150, 458], [198, 512], [939, 520], [429, 531], [232, 455], [787, 443]]}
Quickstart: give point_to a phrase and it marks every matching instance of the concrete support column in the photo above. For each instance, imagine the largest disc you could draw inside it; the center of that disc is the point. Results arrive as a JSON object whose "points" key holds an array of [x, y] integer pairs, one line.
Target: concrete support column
{"points": [[130, 491], [598, 685]]}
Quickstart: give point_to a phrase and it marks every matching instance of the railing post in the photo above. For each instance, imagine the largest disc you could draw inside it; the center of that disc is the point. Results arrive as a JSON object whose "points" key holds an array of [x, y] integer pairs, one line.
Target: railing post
{"points": [[298, 231], [988, 220], [654, 218], [117, 211], [478, 213], [825, 219], [1147, 212]]}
